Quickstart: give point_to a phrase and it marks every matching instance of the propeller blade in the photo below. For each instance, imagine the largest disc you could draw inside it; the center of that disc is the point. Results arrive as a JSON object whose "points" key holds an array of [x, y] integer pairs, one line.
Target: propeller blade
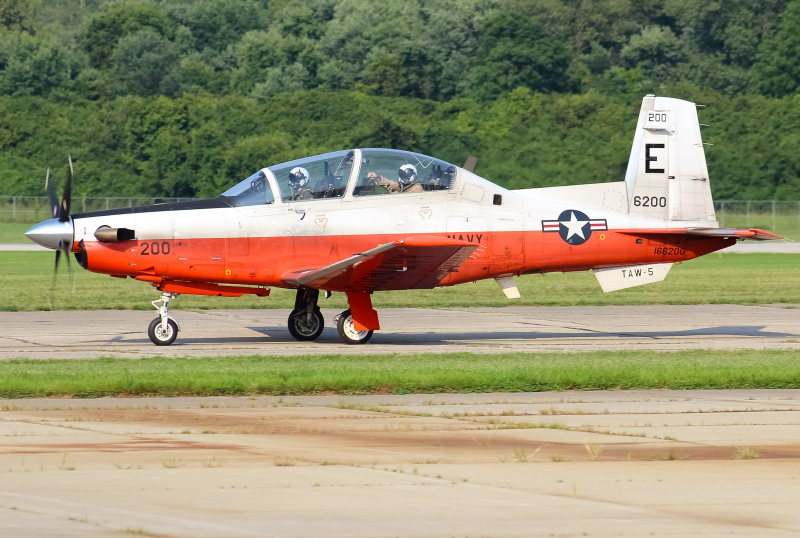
{"points": [[65, 247], [53, 282], [51, 193], [62, 212], [65, 199]]}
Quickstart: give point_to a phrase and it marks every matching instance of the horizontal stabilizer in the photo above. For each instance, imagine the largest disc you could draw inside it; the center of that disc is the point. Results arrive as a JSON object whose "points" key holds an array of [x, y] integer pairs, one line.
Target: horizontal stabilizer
{"points": [[753, 234], [620, 278], [417, 262]]}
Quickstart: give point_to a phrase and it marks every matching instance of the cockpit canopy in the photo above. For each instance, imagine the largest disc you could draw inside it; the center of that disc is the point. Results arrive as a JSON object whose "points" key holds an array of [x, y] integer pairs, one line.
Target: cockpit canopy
{"points": [[378, 171]]}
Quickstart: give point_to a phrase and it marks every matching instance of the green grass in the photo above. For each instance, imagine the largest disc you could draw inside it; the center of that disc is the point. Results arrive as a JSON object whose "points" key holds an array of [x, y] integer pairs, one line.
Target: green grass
{"points": [[401, 374], [14, 232], [748, 279]]}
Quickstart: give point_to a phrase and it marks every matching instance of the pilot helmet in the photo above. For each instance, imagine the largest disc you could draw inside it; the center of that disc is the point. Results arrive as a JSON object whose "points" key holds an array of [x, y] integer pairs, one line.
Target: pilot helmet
{"points": [[298, 177], [407, 174]]}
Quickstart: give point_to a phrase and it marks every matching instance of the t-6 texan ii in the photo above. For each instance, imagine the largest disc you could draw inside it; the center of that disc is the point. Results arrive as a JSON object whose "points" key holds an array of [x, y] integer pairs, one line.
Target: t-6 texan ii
{"points": [[367, 220]]}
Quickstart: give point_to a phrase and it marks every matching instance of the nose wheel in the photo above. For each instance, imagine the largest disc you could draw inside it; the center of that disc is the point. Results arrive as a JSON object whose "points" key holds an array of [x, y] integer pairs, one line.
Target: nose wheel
{"points": [[160, 335], [163, 330], [348, 332]]}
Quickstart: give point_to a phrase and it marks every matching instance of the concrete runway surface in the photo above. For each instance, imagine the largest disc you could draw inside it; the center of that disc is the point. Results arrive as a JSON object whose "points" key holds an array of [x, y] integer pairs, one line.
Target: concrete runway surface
{"points": [[633, 463], [487, 330], [638, 463]]}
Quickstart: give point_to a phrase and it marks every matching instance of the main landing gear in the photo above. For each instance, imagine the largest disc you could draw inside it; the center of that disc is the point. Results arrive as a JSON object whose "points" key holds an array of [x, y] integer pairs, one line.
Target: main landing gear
{"points": [[348, 332], [163, 330], [306, 321]]}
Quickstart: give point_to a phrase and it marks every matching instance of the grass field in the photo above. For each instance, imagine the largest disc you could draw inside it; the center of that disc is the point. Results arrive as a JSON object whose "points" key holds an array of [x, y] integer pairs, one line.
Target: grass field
{"points": [[26, 282], [396, 374], [14, 232]]}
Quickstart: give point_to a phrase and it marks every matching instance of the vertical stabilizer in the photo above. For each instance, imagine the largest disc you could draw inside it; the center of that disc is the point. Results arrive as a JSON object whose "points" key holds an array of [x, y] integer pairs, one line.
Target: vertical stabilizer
{"points": [[667, 176]]}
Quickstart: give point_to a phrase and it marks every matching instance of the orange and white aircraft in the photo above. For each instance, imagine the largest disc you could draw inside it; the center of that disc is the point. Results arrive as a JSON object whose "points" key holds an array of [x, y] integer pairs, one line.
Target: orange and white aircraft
{"points": [[366, 220]]}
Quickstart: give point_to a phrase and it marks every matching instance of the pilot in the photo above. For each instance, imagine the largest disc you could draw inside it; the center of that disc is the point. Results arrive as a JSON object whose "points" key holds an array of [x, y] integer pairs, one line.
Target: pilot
{"points": [[298, 183], [406, 180]]}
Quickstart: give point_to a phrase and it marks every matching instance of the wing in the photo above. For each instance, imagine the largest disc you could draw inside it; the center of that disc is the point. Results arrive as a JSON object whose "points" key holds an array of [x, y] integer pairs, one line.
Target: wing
{"points": [[417, 262]]}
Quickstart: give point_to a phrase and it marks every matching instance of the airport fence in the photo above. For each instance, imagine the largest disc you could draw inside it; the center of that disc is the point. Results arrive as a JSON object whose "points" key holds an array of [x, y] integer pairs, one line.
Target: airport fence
{"points": [[777, 216], [781, 217]]}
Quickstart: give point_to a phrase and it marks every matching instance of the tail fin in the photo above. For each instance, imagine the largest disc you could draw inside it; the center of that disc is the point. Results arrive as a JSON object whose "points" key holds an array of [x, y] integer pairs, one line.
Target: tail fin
{"points": [[667, 176]]}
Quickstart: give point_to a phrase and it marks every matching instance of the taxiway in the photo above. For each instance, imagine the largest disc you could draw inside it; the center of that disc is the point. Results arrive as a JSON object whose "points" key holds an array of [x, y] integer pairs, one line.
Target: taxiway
{"points": [[91, 334]]}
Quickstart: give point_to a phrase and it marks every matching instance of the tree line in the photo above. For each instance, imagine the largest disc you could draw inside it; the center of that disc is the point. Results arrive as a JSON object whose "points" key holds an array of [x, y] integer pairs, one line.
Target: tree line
{"points": [[184, 98]]}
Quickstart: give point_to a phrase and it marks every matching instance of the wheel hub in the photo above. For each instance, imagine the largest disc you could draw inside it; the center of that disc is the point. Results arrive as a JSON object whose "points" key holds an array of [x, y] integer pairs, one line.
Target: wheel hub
{"points": [[162, 333], [350, 330], [304, 326]]}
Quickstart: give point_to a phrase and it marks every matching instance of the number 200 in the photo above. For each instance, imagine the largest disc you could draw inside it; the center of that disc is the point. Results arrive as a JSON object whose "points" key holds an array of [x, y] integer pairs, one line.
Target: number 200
{"points": [[155, 248], [655, 116]]}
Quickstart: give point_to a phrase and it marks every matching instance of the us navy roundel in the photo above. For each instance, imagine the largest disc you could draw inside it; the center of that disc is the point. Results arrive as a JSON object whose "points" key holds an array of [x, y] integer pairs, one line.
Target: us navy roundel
{"points": [[574, 227]]}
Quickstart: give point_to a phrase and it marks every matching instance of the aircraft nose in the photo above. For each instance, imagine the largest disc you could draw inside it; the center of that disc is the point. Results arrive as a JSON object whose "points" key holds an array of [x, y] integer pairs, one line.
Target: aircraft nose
{"points": [[51, 233]]}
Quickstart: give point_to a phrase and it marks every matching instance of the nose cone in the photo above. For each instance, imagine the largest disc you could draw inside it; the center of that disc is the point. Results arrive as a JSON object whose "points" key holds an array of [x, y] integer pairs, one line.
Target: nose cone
{"points": [[52, 234]]}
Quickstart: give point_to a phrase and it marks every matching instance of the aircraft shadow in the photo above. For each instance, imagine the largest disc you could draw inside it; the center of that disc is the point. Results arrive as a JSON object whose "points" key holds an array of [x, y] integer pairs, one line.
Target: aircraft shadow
{"points": [[443, 338], [277, 335]]}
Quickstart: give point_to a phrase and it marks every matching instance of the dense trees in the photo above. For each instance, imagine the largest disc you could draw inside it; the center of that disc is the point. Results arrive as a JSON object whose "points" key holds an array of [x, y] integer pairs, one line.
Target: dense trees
{"points": [[430, 49], [182, 98], [201, 144], [516, 52]]}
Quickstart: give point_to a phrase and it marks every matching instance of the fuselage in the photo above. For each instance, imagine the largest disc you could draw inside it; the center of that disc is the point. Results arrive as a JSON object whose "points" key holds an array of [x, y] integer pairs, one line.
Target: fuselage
{"points": [[516, 233]]}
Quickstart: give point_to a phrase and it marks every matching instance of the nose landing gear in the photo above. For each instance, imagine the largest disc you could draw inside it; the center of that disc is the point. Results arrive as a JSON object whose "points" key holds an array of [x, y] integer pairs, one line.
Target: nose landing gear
{"points": [[163, 330]]}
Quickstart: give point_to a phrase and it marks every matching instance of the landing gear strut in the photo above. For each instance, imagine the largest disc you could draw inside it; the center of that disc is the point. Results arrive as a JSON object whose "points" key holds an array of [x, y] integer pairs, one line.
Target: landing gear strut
{"points": [[306, 321], [163, 330]]}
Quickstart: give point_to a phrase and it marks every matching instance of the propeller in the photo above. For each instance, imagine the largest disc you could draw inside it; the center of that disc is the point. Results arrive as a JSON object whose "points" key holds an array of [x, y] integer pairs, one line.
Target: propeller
{"points": [[61, 212]]}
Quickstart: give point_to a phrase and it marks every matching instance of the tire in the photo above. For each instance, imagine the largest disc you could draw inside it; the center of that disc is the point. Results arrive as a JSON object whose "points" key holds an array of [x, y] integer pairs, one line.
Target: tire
{"points": [[160, 337], [348, 333], [301, 329]]}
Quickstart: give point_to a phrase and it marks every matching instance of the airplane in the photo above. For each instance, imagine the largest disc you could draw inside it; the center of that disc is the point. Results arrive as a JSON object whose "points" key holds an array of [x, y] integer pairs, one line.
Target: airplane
{"points": [[360, 221]]}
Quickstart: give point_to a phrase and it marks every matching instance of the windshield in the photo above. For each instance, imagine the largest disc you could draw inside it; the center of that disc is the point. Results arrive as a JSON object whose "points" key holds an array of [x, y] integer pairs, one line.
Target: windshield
{"points": [[254, 190]]}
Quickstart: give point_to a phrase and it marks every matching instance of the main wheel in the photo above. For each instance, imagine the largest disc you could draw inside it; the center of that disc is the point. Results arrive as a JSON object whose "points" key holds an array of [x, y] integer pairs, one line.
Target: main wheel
{"points": [[304, 330], [161, 336], [348, 332]]}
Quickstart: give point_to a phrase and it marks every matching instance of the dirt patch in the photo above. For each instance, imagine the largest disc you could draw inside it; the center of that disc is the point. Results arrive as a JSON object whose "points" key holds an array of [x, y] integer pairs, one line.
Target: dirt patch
{"points": [[360, 436]]}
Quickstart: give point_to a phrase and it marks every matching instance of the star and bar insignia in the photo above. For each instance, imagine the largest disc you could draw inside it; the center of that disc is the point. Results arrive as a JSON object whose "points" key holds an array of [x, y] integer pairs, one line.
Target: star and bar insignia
{"points": [[574, 227]]}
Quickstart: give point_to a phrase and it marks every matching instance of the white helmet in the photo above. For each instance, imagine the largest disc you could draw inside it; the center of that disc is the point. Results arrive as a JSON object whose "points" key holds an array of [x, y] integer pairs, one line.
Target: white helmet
{"points": [[407, 174], [298, 177]]}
